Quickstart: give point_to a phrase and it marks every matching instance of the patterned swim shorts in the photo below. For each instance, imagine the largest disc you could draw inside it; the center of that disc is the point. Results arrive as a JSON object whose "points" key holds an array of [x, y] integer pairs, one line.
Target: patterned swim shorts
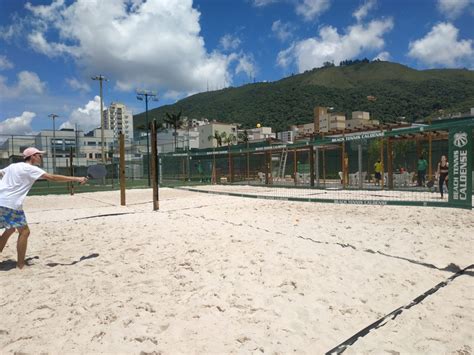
{"points": [[12, 218]]}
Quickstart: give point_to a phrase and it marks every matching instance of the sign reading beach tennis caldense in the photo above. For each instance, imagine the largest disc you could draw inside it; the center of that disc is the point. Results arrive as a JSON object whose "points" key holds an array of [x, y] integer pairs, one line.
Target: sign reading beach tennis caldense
{"points": [[460, 167]]}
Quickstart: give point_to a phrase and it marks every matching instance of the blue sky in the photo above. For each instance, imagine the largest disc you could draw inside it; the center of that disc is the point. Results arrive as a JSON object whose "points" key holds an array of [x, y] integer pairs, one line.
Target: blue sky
{"points": [[49, 49]]}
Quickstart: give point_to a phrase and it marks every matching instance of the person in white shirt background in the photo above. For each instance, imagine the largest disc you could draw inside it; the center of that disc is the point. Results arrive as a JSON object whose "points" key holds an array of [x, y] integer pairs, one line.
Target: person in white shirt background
{"points": [[16, 181]]}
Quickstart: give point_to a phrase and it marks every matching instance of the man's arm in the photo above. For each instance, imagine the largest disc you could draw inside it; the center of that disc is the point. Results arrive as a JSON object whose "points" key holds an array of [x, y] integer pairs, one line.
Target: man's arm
{"points": [[63, 178]]}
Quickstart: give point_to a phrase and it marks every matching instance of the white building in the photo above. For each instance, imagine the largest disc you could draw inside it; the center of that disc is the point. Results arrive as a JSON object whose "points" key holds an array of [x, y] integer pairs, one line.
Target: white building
{"points": [[13, 146], [360, 119], [119, 118], [286, 136], [206, 131], [259, 133], [57, 146]]}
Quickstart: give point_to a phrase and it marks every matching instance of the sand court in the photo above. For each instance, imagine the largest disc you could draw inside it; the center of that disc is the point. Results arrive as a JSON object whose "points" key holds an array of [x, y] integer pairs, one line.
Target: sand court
{"points": [[221, 274]]}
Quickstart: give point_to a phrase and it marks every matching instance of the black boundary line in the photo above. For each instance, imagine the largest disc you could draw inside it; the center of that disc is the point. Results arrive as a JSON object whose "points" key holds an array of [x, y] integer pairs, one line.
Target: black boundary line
{"points": [[339, 349], [103, 215], [87, 217]]}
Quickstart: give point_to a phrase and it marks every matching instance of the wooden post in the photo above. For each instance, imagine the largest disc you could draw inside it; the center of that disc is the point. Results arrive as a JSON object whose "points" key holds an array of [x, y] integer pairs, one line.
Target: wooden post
{"points": [[154, 156], [430, 167], [213, 173], [231, 172], [268, 154], [311, 165], [248, 163], [382, 180], [390, 163], [295, 167], [122, 168], [324, 166], [71, 168], [343, 164], [316, 167]]}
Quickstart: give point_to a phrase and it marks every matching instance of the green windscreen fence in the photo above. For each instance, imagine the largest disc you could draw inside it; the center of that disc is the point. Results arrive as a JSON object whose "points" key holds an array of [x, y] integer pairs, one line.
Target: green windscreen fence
{"points": [[398, 166]]}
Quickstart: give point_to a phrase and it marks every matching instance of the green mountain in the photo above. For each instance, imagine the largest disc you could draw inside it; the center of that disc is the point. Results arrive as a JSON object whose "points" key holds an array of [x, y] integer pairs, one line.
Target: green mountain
{"points": [[387, 90]]}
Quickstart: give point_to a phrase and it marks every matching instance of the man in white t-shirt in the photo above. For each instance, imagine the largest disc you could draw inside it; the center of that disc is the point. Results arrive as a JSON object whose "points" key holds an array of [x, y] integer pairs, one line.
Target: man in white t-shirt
{"points": [[15, 183]]}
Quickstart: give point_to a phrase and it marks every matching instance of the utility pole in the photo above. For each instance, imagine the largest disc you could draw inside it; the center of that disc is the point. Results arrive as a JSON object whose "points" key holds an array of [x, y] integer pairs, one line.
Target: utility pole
{"points": [[54, 116], [101, 78], [146, 95]]}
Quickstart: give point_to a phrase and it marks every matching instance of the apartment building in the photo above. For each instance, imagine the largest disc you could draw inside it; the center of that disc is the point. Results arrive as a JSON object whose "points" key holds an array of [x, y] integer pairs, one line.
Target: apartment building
{"points": [[205, 131], [119, 118], [361, 120]]}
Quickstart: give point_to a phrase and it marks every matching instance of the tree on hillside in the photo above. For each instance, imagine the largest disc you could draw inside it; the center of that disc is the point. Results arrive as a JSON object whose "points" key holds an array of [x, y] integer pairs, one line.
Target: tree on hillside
{"points": [[175, 121]]}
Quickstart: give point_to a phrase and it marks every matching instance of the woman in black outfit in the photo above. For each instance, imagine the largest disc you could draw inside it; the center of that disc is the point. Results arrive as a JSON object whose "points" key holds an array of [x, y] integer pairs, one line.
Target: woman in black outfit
{"points": [[442, 173]]}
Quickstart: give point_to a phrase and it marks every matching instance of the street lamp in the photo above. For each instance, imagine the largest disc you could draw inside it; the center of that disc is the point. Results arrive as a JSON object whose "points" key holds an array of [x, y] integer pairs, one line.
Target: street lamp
{"points": [[146, 95], [54, 116], [101, 78]]}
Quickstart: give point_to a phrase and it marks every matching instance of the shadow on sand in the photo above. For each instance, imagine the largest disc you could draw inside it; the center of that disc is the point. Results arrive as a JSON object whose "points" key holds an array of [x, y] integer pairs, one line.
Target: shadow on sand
{"points": [[94, 255], [10, 264]]}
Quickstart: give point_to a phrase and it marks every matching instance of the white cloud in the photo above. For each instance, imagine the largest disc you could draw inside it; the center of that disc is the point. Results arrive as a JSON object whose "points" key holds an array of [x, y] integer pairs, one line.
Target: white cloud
{"points": [[78, 85], [310, 9], [283, 31], [155, 44], [246, 64], [442, 47], [5, 63], [364, 9], [261, 3], [229, 42], [453, 8], [28, 84], [330, 46], [20, 125], [87, 118], [385, 56]]}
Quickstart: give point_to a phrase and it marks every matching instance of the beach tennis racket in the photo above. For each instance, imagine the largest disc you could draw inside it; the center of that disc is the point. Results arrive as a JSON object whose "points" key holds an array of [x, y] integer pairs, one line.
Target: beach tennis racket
{"points": [[96, 171]]}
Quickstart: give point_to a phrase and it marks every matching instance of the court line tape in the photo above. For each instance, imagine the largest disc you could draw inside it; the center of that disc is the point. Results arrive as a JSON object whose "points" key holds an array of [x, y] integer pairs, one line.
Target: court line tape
{"points": [[339, 349]]}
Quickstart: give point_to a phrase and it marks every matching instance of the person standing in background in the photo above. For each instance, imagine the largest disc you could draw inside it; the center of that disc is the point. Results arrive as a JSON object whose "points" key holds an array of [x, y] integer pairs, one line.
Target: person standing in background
{"points": [[378, 168], [442, 174], [421, 171]]}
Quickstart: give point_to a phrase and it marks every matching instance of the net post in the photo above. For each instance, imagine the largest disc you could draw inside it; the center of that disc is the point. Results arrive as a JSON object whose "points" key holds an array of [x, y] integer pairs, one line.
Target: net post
{"points": [[71, 169], [311, 165], [295, 166], [460, 167], [154, 176], [122, 168], [359, 164], [382, 180], [390, 163]]}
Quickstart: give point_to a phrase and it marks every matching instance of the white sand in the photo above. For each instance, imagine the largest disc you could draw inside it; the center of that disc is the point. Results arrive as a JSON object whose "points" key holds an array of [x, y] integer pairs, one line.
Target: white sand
{"points": [[220, 274]]}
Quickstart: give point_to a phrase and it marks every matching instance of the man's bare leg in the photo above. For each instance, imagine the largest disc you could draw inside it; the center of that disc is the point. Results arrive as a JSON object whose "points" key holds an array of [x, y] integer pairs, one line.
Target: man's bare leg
{"points": [[4, 238], [21, 246]]}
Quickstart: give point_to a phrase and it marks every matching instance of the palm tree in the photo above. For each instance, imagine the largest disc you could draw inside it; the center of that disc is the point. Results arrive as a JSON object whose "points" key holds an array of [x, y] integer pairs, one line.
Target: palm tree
{"points": [[228, 139], [244, 138], [218, 138], [176, 122]]}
